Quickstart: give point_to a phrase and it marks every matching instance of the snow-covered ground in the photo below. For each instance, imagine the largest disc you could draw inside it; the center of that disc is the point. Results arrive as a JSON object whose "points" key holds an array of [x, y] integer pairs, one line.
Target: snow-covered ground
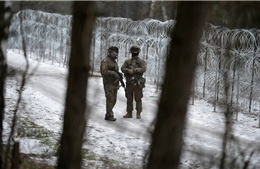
{"points": [[124, 143]]}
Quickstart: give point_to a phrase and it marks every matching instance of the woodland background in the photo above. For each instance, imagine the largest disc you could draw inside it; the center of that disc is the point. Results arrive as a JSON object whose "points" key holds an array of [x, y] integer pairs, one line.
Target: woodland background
{"points": [[231, 14], [167, 138]]}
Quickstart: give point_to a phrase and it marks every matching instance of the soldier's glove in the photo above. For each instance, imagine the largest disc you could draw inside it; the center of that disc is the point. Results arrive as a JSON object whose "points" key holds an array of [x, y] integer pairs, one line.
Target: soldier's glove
{"points": [[131, 71], [116, 75]]}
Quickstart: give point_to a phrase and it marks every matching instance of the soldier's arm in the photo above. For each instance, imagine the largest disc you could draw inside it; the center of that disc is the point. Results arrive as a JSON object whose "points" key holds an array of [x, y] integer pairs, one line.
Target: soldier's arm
{"points": [[105, 71], [142, 68], [124, 68]]}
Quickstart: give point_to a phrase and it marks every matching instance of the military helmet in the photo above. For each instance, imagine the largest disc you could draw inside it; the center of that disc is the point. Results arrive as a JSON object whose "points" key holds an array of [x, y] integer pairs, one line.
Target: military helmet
{"points": [[135, 49], [113, 48]]}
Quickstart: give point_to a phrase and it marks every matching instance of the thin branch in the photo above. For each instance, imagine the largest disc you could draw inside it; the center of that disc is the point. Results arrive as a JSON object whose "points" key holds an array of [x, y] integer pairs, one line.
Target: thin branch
{"points": [[23, 82]]}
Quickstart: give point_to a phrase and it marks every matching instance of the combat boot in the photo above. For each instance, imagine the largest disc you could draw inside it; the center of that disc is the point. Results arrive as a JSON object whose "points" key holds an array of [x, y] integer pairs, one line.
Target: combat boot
{"points": [[128, 115], [138, 115], [110, 118]]}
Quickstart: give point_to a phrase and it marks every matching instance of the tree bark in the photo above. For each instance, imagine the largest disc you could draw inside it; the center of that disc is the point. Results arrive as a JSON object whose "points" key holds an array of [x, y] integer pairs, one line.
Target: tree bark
{"points": [[164, 11], [5, 18], [167, 139], [75, 106], [152, 6], [16, 156]]}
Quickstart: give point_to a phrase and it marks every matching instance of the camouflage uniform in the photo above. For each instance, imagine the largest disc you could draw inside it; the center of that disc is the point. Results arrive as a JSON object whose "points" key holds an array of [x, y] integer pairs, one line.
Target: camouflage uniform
{"points": [[111, 83], [133, 70]]}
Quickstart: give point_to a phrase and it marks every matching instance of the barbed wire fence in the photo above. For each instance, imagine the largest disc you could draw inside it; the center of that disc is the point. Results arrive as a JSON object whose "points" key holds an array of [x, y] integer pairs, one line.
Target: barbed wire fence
{"points": [[222, 50]]}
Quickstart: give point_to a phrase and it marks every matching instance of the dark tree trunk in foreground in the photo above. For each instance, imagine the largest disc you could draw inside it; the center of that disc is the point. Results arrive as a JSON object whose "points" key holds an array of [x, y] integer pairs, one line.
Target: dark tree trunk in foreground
{"points": [[75, 106], [5, 18], [167, 139]]}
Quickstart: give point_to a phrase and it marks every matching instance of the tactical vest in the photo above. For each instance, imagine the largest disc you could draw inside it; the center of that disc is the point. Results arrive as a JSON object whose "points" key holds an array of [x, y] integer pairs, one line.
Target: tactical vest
{"points": [[110, 65]]}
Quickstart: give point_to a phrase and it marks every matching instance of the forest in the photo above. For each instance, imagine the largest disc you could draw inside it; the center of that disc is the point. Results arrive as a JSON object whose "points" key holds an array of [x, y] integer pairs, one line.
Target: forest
{"points": [[193, 50]]}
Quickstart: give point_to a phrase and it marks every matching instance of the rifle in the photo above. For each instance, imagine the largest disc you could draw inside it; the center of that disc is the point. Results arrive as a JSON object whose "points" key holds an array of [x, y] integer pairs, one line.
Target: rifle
{"points": [[121, 78]]}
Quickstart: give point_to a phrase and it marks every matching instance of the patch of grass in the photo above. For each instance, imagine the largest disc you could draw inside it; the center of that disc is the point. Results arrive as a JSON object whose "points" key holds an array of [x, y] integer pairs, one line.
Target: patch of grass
{"points": [[28, 163], [29, 129], [93, 160]]}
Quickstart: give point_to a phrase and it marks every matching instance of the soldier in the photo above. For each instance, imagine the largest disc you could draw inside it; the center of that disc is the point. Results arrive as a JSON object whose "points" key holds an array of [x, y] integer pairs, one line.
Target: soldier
{"points": [[133, 70], [108, 69]]}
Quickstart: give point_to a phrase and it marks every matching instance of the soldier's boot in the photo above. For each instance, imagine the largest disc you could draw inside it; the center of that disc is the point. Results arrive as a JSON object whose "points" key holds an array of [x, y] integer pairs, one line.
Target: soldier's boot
{"points": [[110, 118], [138, 115], [128, 115]]}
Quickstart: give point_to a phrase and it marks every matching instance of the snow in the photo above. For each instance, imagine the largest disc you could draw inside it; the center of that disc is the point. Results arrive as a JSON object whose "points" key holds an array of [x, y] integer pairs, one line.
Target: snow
{"points": [[126, 141]]}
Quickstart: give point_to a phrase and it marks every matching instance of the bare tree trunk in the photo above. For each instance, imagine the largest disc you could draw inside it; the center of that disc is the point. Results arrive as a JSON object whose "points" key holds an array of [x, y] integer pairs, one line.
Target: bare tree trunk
{"points": [[167, 138], [164, 11], [16, 156], [79, 66], [20, 92], [152, 8], [5, 18], [252, 82], [228, 125]]}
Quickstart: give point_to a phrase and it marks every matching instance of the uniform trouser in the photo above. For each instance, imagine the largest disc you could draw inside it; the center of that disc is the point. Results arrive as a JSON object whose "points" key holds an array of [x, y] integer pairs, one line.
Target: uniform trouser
{"points": [[134, 92], [111, 96]]}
